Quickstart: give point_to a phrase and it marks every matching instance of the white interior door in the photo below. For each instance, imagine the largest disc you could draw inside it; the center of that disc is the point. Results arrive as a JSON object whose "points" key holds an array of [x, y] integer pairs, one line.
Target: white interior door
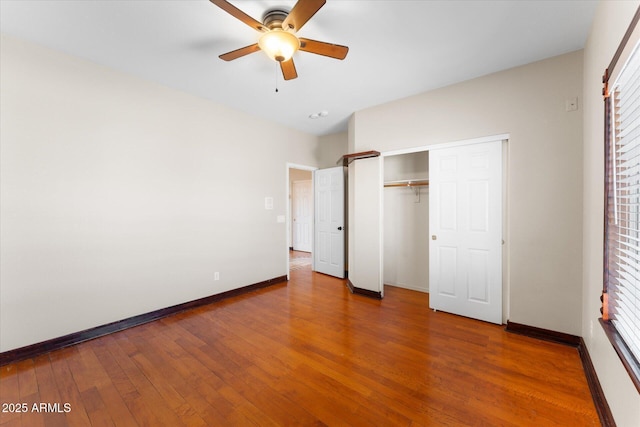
{"points": [[328, 251], [465, 225], [302, 201]]}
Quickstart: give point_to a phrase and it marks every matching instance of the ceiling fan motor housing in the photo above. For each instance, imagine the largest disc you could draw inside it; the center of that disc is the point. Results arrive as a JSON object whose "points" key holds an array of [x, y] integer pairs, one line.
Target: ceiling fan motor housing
{"points": [[273, 18]]}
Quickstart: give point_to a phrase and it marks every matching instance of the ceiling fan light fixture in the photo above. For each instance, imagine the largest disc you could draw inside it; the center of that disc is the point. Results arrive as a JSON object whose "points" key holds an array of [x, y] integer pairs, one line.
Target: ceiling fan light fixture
{"points": [[279, 45]]}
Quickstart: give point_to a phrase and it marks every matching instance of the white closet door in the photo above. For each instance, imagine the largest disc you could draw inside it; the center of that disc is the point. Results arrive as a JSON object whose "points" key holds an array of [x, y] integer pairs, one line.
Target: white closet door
{"points": [[465, 227]]}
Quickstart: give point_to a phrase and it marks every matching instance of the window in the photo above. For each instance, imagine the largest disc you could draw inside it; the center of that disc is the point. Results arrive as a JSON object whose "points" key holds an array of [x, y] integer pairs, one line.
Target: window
{"points": [[621, 294]]}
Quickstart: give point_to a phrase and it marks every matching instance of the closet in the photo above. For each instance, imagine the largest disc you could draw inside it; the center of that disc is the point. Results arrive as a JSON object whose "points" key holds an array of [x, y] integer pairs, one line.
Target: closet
{"points": [[406, 221]]}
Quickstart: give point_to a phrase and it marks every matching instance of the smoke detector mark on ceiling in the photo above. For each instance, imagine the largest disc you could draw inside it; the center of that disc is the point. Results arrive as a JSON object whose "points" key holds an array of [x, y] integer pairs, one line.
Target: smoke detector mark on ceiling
{"points": [[319, 115]]}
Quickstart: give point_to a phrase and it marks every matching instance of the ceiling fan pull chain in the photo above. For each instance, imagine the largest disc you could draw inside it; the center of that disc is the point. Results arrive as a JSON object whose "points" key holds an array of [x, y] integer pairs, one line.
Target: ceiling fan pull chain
{"points": [[277, 70]]}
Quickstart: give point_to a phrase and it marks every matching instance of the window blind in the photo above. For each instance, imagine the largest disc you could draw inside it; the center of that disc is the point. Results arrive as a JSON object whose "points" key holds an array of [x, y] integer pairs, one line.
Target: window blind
{"points": [[621, 304]]}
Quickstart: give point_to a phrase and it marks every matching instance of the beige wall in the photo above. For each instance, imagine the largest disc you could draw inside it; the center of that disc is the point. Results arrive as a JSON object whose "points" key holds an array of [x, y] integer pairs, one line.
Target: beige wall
{"points": [[365, 223], [120, 196], [544, 175], [299, 175], [331, 148], [610, 23]]}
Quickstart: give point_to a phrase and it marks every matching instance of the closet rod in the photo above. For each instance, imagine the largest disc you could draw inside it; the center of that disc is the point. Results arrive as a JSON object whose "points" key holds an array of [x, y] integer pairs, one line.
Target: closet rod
{"points": [[407, 183]]}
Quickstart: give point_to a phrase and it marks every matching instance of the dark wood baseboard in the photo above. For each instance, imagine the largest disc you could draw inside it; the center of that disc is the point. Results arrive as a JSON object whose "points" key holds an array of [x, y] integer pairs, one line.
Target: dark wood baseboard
{"points": [[365, 292], [597, 394], [37, 349], [543, 334]]}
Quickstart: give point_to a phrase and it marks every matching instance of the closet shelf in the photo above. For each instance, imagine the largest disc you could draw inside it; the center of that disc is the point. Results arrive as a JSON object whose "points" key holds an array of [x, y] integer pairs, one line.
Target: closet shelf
{"points": [[348, 158], [408, 183]]}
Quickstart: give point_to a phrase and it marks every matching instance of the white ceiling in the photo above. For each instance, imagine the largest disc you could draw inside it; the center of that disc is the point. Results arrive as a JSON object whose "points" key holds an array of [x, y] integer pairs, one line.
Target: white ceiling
{"points": [[396, 48]]}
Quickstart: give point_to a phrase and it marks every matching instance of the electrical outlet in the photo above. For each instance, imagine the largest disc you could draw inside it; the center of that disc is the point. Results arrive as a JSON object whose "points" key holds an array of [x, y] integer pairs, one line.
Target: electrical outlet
{"points": [[216, 276]]}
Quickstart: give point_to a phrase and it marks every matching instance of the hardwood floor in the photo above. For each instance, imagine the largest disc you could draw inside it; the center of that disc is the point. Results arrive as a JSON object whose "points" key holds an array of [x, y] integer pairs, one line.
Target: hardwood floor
{"points": [[305, 353], [299, 254]]}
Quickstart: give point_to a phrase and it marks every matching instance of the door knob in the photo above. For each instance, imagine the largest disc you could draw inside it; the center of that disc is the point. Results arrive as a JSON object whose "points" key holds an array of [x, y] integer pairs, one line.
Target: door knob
{"points": [[434, 237], [339, 228]]}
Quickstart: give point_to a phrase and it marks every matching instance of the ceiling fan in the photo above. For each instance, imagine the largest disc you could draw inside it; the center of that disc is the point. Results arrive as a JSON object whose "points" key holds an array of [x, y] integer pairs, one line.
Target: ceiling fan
{"points": [[279, 40]]}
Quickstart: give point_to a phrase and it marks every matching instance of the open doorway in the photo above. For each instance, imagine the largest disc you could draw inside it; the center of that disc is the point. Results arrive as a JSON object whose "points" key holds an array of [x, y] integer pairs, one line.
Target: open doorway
{"points": [[299, 217]]}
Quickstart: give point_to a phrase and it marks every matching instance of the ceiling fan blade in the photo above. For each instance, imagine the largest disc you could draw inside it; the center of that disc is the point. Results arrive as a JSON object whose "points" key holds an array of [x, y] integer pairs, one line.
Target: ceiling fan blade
{"points": [[288, 69], [321, 48], [301, 13], [237, 13], [235, 54]]}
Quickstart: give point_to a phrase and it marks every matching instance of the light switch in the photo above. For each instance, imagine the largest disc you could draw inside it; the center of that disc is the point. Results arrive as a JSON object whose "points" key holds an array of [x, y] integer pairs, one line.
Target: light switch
{"points": [[268, 203], [280, 219]]}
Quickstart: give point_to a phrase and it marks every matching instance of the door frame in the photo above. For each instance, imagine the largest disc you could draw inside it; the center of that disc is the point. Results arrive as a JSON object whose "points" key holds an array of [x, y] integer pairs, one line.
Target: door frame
{"points": [[288, 236], [505, 137]]}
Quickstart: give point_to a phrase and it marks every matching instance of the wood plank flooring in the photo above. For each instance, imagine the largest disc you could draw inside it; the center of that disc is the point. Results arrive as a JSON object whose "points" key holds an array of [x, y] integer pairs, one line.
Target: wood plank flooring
{"points": [[305, 353]]}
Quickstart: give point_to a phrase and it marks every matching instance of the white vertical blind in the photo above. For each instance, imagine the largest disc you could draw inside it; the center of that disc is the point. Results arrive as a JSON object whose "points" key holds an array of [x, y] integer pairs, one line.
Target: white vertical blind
{"points": [[624, 234]]}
